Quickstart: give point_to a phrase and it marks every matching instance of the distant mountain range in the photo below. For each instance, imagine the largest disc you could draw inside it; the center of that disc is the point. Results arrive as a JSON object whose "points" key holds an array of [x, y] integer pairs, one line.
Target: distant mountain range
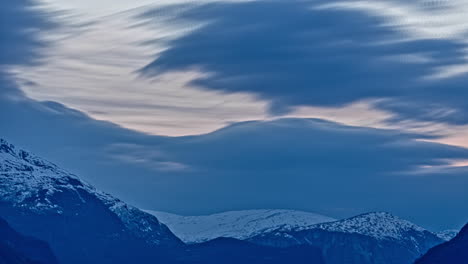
{"points": [[368, 238], [236, 224], [84, 225], [377, 237]]}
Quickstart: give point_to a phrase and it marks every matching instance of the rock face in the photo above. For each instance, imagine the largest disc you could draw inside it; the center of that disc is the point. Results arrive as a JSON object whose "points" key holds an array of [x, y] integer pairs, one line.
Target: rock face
{"points": [[454, 251], [81, 224], [18, 249], [240, 225], [369, 238]]}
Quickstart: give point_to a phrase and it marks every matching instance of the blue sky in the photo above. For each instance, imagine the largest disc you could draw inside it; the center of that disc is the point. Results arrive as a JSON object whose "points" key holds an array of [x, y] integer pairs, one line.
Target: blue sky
{"points": [[337, 107]]}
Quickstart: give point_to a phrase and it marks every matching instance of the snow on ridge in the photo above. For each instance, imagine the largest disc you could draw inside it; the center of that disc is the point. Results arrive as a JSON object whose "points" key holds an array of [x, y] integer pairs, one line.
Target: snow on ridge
{"points": [[29, 182], [380, 225], [447, 234], [25, 177], [235, 224]]}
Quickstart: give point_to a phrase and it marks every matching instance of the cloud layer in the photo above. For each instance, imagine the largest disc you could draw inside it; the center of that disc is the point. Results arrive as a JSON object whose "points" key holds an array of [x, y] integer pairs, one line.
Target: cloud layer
{"points": [[323, 53]]}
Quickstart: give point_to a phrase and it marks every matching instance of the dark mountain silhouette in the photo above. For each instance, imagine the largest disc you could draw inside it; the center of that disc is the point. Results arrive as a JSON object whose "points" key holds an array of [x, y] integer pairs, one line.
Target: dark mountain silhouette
{"points": [[454, 251], [18, 249], [233, 251]]}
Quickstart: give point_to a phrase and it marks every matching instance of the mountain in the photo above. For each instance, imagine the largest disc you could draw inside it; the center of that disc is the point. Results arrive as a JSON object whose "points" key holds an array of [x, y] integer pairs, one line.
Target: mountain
{"points": [[454, 251], [377, 237], [447, 234], [10, 256], [84, 225], [233, 251], [18, 249], [235, 224], [369, 238], [80, 223]]}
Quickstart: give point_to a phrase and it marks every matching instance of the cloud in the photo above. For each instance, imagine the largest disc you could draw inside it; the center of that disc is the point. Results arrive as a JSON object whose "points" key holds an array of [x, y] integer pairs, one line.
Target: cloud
{"points": [[296, 53], [19, 28], [20, 24], [311, 144], [91, 67], [144, 156]]}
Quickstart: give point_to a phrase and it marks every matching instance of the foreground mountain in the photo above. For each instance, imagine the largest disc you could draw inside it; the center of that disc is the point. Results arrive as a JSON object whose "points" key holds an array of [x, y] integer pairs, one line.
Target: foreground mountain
{"points": [[18, 249], [235, 224], [369, 238], [454, 251], [81, 224]]}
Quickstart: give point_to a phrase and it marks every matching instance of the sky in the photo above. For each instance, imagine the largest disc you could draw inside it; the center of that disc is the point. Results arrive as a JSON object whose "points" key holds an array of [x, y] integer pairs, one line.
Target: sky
{"points": [[197, 107]]}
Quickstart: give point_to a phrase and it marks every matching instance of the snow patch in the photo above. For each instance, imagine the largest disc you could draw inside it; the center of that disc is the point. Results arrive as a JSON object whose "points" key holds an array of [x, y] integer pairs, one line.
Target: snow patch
{"points": [[235, 224]]}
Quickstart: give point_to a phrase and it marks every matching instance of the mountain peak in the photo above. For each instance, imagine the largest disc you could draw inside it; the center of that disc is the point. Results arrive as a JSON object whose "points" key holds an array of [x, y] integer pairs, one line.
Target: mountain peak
{"points": [[447, 234], [376, 237], [6, 147], [33, 184], [380, 225]]}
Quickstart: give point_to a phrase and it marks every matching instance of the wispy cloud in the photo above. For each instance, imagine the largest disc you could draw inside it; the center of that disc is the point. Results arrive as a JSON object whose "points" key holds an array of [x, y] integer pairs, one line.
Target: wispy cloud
{"points": [[330, 54]]}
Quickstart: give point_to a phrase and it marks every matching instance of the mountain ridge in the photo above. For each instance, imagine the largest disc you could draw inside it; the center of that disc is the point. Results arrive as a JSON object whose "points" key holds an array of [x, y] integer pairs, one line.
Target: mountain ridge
{"points": [[241, 224], [376, 237], [42, 200]]}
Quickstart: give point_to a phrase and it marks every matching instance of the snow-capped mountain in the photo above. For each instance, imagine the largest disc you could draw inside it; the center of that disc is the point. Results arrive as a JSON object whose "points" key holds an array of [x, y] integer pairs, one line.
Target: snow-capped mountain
{"points": [[447, 234], [236, 224], [368, 238], [379, 225], [82, 224]]}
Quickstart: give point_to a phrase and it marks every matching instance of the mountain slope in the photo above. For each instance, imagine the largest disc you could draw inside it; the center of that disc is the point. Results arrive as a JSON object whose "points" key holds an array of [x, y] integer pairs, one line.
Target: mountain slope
{"points": [[235, 224], [369, 238], [81, 224], [233, 251], [18, 249], [454, 251], [9, 256]]}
